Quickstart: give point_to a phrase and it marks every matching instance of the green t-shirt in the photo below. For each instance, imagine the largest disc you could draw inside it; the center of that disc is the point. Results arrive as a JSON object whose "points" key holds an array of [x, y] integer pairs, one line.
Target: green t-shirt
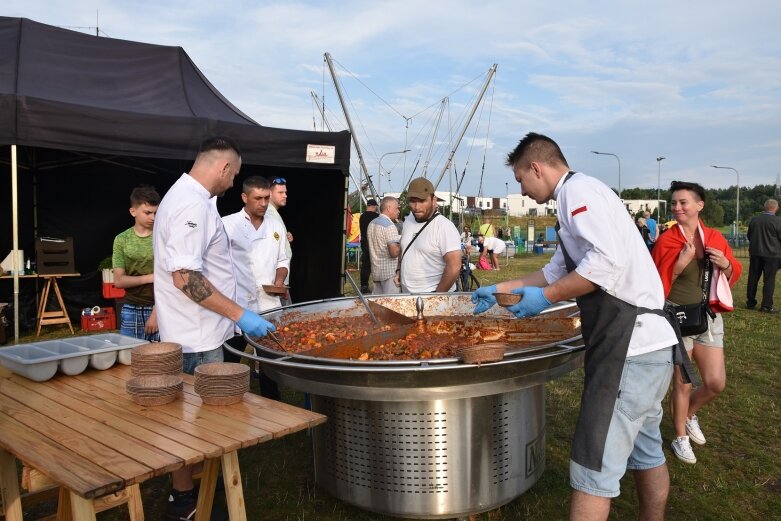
{"points": [[687, 288], [134, 254]]}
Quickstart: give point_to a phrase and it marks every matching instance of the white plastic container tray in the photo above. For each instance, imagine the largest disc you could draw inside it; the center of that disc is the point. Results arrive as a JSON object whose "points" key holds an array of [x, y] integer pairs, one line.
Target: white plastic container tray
{"points": [[39, 361]]}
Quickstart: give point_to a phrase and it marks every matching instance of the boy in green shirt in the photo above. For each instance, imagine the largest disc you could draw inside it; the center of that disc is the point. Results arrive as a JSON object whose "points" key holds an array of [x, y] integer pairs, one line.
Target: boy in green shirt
{"points": [[133, 264]]}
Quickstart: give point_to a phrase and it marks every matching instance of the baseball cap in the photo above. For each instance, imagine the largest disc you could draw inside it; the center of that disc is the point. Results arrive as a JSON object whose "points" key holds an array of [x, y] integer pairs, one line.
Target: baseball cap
{"points": [[420, 188], [371, 202]]}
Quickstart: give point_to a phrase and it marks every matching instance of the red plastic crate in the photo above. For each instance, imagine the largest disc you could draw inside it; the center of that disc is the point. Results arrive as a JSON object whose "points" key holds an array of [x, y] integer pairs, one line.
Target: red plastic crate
{"points": [[105, 320], [111, 291]]}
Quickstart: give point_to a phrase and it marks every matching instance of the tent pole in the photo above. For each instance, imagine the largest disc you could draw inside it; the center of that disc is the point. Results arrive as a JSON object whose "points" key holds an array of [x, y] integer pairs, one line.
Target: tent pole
{"points": [[344, 231], [14, 254]]}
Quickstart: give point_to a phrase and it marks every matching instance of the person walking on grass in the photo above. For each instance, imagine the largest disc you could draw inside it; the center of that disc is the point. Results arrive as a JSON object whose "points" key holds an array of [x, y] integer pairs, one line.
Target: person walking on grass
{"points": [[679, 256]]}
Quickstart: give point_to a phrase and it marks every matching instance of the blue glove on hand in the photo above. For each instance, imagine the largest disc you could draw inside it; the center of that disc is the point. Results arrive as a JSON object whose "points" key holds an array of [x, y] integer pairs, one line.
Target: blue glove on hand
{"points": [[254, 325], [484, 298], [532, 303]]}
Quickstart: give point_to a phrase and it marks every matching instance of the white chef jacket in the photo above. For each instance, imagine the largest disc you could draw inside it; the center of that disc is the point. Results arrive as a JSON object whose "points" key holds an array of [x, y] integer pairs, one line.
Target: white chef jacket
{"points": [[188, 234], [603, 241], [273, 212], [257, 254], [423, 263]]}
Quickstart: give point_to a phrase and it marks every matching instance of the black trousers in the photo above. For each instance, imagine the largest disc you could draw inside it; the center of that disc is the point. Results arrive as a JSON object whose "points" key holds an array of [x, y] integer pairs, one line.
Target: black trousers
{"points": [[366, 268], [268, 387], [765, 267]]}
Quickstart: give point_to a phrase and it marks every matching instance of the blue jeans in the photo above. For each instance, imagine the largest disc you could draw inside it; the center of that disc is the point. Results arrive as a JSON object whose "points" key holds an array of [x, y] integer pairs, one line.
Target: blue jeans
{"points": [[192, 360], [634, 441], [132, 319]]}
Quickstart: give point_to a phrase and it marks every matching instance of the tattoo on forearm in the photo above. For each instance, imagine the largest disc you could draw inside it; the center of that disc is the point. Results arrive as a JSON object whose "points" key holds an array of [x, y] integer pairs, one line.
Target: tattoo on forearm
{"points": [[196, 286]]}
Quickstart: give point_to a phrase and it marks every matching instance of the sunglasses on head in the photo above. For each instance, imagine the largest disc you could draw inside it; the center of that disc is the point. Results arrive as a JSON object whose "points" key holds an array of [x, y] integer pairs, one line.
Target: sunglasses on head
{"points": [[278, 181]]}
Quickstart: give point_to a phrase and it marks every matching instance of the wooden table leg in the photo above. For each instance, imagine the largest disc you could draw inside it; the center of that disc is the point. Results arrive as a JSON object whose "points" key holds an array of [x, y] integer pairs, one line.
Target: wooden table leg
{"points": [[134, 505], [9, 487], [234, 492], [82, 509], [209, 473], [64, 511]]}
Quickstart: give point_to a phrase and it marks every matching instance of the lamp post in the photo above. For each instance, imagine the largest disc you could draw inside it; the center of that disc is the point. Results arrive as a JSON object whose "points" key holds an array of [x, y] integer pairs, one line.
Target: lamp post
{"points": [[619, 167], [658, 185], [379, 169], [506, 205], [737, 203]]}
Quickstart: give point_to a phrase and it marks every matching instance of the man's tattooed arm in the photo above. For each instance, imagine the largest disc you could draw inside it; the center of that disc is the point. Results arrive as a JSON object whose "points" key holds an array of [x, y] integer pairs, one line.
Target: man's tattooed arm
{"points": [[195, 285], [201, 291]]}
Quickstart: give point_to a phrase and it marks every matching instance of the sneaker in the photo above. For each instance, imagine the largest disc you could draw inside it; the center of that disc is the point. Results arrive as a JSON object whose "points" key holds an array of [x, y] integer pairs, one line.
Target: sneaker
{"points": [[764, 309], [694, 431], [683, 449]]}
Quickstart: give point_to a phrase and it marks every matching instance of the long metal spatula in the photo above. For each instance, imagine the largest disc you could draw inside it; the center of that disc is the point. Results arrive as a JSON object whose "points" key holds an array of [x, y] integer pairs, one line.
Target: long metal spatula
{"points": [[363, 299]]}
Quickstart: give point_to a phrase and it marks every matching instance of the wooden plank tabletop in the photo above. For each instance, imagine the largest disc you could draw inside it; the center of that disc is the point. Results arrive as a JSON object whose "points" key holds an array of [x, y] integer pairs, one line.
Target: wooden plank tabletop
{"points": [[85, 432]]}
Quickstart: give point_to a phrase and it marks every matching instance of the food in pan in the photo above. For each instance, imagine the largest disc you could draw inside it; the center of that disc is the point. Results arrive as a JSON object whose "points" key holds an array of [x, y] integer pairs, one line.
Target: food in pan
{"points": [[436, 337]]}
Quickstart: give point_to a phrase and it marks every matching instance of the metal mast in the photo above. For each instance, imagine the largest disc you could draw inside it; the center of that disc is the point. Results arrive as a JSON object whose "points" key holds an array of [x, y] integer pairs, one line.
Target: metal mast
{"points": [[491, 73], [350, 125]]}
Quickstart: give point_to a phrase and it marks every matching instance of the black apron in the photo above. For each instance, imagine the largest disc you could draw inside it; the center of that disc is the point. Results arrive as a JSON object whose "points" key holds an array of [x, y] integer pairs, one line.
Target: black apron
{"points": [[607, 324]]}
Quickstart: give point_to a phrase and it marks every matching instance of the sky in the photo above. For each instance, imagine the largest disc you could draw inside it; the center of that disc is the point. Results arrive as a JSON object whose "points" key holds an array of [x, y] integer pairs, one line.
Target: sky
{"points": [[696, 82]]}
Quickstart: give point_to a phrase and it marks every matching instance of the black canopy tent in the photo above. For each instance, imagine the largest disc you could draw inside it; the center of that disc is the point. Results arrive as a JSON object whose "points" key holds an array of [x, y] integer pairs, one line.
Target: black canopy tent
{"points": [[90, 118]]}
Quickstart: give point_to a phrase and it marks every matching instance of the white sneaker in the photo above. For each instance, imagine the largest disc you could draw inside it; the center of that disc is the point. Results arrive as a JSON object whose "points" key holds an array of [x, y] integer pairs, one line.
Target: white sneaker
{"points": [[694, 431], [683, 449]]}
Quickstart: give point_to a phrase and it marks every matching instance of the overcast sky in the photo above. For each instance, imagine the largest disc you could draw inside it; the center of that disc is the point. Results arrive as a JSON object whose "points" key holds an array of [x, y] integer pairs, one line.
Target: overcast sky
{"points": [[698, 82]]}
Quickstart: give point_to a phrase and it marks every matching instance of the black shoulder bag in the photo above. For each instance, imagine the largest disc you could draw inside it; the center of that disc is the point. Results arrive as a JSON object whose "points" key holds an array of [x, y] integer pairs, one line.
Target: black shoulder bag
{"points": [[401, 257], [693, 318]]}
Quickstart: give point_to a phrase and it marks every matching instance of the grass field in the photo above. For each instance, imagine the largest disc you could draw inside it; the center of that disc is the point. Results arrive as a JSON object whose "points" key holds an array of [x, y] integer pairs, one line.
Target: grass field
{"points": [[737, 476]]}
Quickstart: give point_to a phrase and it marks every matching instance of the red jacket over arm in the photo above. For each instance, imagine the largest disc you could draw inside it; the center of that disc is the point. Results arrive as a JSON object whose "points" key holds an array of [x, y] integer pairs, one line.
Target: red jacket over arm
{"points": [[670, 244]]}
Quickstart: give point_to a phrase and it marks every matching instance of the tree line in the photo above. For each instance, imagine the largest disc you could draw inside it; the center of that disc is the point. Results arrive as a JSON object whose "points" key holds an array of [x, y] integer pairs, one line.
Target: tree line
{"points": [[719, 202]]}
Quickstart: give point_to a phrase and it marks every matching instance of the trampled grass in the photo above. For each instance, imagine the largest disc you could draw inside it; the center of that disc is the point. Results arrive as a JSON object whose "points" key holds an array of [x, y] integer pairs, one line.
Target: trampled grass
{"points": [[737, 476]]}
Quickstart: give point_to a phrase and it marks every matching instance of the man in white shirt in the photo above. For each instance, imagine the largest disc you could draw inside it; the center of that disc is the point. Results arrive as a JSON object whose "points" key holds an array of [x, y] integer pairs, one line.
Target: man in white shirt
{"points": [[430, 257], [629, 339], [258, 250], [383, 245], [258, 246], [279, 200], [194, 281]]}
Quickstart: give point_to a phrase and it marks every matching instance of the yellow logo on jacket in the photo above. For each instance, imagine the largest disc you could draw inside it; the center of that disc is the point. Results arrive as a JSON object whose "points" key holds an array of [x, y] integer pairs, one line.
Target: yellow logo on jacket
{"points": [[276, 236]]}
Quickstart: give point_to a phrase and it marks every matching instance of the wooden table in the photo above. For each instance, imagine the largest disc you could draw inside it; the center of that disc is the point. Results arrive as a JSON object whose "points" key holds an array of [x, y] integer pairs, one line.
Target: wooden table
{"points": [[87, 435]]}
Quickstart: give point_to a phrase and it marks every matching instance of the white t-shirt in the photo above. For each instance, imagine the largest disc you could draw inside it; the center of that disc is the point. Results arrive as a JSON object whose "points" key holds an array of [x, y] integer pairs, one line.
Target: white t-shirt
{"points": [[423, 263], [602, 240], [188, 234], [494, 244], [258, 253]]}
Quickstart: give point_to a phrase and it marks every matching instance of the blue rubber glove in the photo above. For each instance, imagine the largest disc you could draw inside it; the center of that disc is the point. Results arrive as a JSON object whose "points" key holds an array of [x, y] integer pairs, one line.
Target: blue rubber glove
{"points": [[254, 325], [532, 303], [484, 298]]}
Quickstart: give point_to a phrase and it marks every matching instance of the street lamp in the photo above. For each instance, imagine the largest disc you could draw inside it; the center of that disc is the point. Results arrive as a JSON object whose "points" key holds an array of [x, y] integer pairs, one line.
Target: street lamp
{"points": [[737, 204], [379, 169], [506, 204], [658, 185], [619, 167]]}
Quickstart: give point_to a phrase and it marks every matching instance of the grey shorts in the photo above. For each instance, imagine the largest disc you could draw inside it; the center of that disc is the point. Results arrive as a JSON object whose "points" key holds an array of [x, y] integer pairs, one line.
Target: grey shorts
{"points": [[713, 337], [634, 441]]}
